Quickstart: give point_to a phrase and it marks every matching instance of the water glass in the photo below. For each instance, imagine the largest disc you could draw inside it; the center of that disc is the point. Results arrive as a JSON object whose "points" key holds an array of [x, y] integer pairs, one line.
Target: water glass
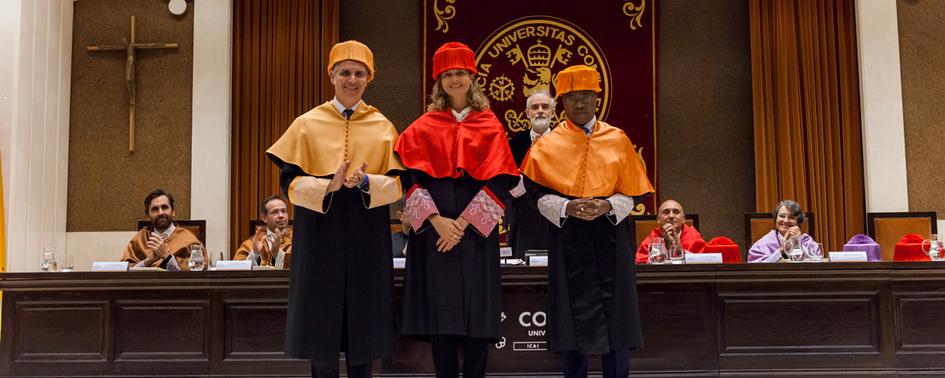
{"points": [[815, 252], [48, 262], [196, 260], [68, 263], [796, 255], [677, 255], [657, 252]]}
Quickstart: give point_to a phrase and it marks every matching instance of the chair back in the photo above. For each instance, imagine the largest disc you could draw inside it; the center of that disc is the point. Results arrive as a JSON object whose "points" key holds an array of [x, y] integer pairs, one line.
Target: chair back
{"points": [[196, 227], [888, 228], [641, 225], [758, 225]]}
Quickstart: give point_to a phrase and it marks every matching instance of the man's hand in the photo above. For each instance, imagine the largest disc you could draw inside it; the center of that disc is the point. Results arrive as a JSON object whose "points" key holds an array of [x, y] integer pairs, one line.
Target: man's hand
{"points": [[157, 248], [587, 208], [339, 178], [581, 208], [449, 230], [355, 179], [277, 238], [259, 240], [670, 236]]}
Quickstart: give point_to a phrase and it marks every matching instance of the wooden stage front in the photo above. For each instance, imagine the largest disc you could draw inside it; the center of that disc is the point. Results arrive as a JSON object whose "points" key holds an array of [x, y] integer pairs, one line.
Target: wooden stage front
{"points": [[853, 319]]}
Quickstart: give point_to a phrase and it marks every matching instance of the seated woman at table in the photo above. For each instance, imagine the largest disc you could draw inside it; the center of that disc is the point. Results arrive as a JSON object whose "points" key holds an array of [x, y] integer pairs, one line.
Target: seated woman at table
{"points": [[775, 245]]}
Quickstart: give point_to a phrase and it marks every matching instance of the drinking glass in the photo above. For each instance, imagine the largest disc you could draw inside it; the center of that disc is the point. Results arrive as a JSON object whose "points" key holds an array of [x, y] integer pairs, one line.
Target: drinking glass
{"points": [[68, 263], [815, 252], [196, 260], [796, 255], [677, 255], [657, 252], [48, 263]]}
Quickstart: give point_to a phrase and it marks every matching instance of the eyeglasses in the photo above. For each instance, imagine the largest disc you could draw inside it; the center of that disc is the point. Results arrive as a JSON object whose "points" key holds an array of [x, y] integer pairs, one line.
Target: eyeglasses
{"points": [[357, 74], [586, 99]]}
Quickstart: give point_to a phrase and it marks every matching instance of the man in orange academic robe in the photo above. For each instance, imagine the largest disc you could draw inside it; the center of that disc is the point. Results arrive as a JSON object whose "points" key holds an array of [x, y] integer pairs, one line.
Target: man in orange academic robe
{"points": [[585, 178], [271, 245], [161, 243]]}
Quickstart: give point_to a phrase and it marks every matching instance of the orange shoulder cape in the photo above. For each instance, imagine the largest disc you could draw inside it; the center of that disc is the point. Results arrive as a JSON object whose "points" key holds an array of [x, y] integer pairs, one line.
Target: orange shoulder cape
{"points": [[576, 165], [321, 139]]}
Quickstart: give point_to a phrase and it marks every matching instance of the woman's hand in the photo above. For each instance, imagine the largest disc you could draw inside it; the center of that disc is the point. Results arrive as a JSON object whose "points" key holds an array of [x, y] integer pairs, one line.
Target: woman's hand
{"points": [[448, 229]]}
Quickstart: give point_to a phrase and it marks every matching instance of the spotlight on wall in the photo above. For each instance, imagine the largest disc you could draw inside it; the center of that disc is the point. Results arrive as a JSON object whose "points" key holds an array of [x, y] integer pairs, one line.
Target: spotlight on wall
{"points": [[177, 7]]}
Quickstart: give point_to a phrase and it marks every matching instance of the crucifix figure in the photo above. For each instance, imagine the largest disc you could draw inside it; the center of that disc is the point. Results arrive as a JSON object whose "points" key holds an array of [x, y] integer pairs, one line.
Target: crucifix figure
{"points": [[130, 50]]}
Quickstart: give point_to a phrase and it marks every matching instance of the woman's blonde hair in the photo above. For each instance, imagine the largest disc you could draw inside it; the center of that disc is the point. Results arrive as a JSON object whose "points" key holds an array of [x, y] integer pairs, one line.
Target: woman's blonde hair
{"points": [[440, 101]]}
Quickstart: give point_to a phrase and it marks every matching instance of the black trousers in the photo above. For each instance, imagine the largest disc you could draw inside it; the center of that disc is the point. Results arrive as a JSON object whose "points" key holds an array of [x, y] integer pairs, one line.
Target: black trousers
{"points": [[357, 371], [613, 365], [446, 360]]}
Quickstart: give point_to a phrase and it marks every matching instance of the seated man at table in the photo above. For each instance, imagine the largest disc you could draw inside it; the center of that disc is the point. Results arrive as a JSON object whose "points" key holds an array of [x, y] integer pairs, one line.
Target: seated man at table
{"points": [[272, 243], [674, 231], [161, 244], [786, 235]]}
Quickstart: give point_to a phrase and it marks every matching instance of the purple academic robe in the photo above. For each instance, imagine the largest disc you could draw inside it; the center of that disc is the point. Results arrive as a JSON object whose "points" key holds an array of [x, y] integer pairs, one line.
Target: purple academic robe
{"points": [[767, 249]]}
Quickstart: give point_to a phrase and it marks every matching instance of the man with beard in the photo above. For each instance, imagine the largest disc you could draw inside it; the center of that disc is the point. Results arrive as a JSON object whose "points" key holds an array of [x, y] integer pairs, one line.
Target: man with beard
{"points": [[674, 231], [585, 178], [161, 244], [272, 243], [527, 229]]}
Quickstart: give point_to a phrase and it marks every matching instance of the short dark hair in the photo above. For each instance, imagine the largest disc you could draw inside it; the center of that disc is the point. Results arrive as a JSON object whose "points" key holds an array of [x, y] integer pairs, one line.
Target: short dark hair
{"points": [[155, 194], [265, 202], [793, 207]]}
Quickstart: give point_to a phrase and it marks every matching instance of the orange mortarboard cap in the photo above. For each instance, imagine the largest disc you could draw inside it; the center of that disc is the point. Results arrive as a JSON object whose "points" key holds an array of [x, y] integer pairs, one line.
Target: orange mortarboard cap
{"points": [[453, 55], [352, 50], [577, 78]]}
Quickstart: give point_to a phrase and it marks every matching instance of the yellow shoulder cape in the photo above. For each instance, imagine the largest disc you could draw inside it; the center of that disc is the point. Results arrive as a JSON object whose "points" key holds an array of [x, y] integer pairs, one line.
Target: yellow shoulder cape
{"points": [[321, 139]]}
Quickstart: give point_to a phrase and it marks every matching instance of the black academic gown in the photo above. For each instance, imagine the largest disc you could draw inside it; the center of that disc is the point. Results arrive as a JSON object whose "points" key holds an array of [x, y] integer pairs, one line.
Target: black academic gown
{"points": [[592, 296], [457, 292], [527, 228], [341, 278]]}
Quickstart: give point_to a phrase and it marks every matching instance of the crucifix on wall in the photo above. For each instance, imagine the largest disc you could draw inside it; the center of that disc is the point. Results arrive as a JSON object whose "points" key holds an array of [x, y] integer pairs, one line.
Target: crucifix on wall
{"points": [[130, 50]]}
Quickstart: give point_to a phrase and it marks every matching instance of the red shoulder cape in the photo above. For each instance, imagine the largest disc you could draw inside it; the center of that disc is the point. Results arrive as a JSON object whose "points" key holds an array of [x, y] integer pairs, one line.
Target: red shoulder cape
{"points": [[441, 147]]}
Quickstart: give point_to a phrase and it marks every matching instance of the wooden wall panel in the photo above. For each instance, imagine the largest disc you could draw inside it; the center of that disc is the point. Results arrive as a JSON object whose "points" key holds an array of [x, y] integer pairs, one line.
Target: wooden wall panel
{"points": [[61, 331], [107, 184]]}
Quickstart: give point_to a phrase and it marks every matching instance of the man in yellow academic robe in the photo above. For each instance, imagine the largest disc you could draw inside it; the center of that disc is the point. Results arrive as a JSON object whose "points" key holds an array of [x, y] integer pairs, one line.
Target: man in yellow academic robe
{"points": [[338, 169]]}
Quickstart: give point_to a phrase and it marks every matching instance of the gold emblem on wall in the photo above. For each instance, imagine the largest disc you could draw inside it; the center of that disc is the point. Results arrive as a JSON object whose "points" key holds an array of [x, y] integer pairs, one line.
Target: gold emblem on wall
{"points": [[521, 58], [443, 15], [635, 12]]}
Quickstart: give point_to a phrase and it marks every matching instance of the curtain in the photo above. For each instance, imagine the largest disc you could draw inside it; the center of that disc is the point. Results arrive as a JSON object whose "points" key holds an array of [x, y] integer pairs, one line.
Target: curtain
{"points": [[280, 53], [806, 112]]}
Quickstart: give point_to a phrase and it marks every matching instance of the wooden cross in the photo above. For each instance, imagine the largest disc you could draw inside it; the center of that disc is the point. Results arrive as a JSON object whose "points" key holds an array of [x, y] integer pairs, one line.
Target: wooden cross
{"points": [[130, 49]]}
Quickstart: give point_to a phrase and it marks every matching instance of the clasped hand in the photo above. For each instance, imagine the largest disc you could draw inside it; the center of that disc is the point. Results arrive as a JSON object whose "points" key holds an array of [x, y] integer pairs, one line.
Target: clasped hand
{"points": [[339, 178], [157, 247], [587, 208], [450, 231]]}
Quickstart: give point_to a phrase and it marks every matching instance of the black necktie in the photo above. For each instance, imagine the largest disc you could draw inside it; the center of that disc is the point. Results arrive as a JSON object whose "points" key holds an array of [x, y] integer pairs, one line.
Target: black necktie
{"points": [[347, 113]]}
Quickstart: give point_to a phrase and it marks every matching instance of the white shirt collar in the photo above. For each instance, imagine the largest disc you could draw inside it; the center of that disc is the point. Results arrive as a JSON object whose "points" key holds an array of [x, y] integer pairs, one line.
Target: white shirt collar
{"points": [[536, 135], [170, 230], [589, 126], [341, 108], [461, 115]]}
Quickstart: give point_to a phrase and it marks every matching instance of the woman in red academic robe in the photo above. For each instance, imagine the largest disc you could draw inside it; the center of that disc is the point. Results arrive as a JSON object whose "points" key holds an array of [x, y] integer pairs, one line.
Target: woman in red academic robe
{"points": [[460, 173]]}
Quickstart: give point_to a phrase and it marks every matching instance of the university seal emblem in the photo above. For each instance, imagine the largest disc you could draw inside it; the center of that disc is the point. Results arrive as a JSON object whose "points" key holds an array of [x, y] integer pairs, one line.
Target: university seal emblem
{"points": [[522, 56]]}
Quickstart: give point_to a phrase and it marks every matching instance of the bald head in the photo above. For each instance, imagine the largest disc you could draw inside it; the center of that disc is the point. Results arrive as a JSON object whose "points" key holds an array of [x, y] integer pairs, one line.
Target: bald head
{"points": [[671, 212]]}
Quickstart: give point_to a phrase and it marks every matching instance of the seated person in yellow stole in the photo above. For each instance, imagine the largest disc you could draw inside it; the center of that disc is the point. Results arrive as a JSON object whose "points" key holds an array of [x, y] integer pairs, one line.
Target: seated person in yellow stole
{"points": [[276, 236], [161, 244]]}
